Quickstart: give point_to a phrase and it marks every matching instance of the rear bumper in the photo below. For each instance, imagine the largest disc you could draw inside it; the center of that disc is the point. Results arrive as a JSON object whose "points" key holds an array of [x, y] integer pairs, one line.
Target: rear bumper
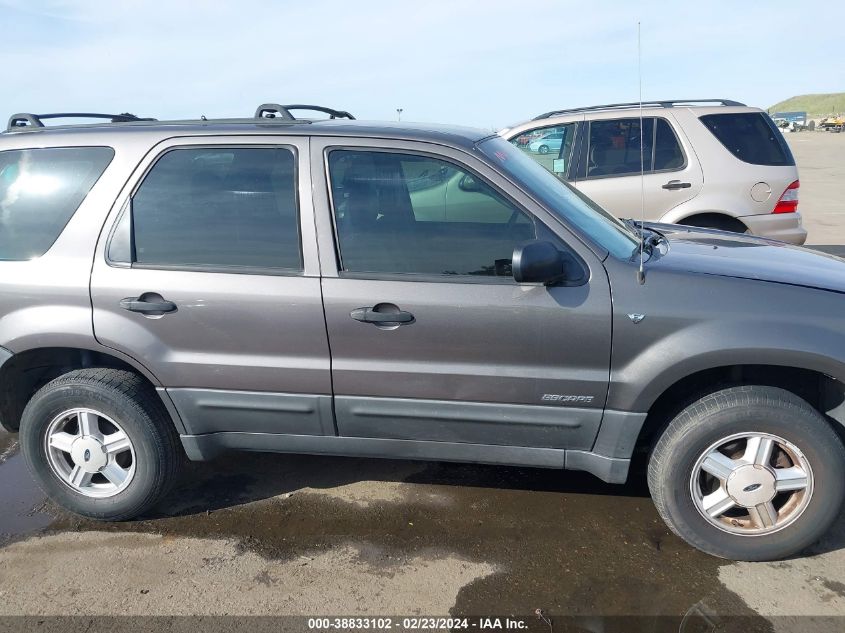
{"points": [[786, 227]]}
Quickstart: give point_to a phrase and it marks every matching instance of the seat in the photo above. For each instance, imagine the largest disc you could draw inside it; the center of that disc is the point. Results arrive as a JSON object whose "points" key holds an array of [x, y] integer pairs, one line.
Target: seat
{"points": [[374, 215]]}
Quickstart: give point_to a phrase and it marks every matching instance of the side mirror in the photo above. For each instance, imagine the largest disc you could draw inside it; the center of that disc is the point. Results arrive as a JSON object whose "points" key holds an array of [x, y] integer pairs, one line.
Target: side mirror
{"points": [[538, 262], [468, 183]]}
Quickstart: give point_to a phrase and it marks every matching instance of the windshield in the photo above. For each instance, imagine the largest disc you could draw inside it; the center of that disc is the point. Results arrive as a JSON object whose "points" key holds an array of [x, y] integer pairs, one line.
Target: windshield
{"points": [[559, 198]]}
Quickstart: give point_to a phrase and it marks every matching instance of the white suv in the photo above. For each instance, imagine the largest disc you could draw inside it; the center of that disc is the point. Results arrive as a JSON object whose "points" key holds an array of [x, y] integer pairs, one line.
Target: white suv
{"points": [[710, 163]]}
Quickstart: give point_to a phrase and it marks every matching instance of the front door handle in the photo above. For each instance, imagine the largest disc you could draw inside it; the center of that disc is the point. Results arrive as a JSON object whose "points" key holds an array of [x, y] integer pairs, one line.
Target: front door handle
{"points": [[676, 184], [371, 315], [146, 304]]}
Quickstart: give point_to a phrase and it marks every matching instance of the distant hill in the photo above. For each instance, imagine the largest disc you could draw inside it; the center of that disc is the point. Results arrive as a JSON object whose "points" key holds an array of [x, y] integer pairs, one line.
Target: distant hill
{"points": [[813, 105]]}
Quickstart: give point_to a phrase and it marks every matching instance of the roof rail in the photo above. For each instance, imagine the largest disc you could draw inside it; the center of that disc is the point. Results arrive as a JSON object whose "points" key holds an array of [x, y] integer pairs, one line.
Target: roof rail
{"points": [[272, 110], [636, 104], [26, 119], [269, 113]]}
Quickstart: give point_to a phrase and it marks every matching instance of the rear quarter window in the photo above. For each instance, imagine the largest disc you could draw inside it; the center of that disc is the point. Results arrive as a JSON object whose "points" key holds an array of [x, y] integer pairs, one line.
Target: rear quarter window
{"points": [[750, 136], [40, 190]]}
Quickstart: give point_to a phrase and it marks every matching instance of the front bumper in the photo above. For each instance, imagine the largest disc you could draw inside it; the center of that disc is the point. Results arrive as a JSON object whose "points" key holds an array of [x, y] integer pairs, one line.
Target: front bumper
{"points": [[786, 227]]}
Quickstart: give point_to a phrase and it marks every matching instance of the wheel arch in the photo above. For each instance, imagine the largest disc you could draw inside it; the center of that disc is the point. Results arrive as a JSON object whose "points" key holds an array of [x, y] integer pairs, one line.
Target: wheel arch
{"points": [[708, 219], [23, 372], [823, 392]]}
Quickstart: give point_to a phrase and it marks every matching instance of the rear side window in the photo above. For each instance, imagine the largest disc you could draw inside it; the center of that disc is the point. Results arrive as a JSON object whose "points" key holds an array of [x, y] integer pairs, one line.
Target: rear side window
{"points": [[667, 150], [750, 136], [40, 190], [216, 207], [613, 148]]}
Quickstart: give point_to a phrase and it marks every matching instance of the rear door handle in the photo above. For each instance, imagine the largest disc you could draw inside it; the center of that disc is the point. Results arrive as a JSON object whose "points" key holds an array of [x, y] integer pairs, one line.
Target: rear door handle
{"points": [[369, 315], [144, 306], [677, 184]]}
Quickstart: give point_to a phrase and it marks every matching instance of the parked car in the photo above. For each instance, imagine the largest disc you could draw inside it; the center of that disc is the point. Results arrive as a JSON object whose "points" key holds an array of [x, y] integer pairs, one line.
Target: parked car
{"points": [[711, 163], [547, 142], [183, 288]]}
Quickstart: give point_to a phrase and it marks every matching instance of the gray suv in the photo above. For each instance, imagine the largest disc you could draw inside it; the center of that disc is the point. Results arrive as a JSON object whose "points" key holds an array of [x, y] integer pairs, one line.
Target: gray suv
{"points": [[182, 288]]}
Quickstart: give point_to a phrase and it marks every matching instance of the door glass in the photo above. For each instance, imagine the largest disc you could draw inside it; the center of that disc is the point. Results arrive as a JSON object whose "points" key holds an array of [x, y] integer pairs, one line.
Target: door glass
{"points": [[613, 147], [403, 213], [219, 207], [551, 147], [667, 151]]}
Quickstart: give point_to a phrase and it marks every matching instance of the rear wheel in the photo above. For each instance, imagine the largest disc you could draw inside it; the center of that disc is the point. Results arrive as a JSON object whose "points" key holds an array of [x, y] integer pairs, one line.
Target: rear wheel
{"points": [[100, 443], [748, 473]]}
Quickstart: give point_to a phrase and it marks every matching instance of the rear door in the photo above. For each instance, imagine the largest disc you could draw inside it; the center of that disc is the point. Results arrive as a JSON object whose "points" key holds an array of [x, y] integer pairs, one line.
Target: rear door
{"points": [[609, 166], [209, 278], [462, 353]]}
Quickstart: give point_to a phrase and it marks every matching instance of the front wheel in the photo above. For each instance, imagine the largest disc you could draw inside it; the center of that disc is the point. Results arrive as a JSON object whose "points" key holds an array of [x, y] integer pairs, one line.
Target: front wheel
{"points": [[100, 443], [748, 473], [543, 149]]}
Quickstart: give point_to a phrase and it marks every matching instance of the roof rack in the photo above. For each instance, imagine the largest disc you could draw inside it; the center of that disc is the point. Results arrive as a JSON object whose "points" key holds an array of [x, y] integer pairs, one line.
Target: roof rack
{"points": [[272, 110], [636, 104], [270, 113], [26, 119]]}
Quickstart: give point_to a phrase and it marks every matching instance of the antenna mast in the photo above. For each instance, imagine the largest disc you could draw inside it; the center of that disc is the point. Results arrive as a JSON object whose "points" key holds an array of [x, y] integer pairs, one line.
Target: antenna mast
{"points": [[641, 271]]}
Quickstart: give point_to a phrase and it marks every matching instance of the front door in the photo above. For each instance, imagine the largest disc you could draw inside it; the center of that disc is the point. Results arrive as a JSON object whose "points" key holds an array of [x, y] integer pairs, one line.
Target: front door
{"points": [[431, 338], [209, 279]]}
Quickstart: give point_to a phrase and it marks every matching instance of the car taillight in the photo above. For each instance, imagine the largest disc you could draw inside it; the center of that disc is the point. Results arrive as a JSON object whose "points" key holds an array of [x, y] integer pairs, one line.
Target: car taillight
{"points": [[788, 202]]}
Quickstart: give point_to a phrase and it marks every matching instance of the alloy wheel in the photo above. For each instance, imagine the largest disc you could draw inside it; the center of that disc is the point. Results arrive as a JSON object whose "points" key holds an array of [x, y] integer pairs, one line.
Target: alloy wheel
{"points": [[90, 453], [751, 483]]}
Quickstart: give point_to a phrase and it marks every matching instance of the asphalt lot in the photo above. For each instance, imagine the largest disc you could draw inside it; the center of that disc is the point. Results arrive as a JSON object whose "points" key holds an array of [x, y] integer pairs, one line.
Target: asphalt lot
{"points": [[273, 535]]}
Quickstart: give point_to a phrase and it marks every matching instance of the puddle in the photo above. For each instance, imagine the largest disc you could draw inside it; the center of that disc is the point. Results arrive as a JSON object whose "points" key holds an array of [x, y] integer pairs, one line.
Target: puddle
{"points": [[21, 499], [8, 445], [562, 542]]}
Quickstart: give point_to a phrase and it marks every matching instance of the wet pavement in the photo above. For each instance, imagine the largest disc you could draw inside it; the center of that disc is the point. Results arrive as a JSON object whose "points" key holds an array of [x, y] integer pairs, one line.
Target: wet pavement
{"points": [[275, 534], [342, 535]]}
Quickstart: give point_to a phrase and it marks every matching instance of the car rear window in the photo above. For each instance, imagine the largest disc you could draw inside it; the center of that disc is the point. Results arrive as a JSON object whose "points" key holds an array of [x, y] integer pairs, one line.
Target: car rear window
{"points": [[40, 190], [750, 136]]}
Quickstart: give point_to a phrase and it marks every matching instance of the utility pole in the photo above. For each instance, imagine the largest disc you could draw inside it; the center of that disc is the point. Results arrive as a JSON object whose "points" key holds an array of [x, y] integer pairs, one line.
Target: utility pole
{"points": [[399, 114]]}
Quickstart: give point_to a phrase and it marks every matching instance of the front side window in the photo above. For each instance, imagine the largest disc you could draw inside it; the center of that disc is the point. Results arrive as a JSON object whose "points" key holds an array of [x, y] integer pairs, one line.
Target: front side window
{"points": [[40, 190], [551, 146], [219, 207], [406, 213]]}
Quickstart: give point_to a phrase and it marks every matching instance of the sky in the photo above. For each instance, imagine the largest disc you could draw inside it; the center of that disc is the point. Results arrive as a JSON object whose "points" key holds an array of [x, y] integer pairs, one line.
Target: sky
{"points": [[487, 63]]}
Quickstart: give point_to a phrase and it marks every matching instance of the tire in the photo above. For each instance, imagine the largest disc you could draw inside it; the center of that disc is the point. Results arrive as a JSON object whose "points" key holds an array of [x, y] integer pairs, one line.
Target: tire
{"points": [[763, 413], [543, 149], [147, 456]]}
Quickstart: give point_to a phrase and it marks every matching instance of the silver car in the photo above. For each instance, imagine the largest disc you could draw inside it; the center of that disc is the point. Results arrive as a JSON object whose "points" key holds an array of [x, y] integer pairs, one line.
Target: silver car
{"points": [[711, 163]]}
